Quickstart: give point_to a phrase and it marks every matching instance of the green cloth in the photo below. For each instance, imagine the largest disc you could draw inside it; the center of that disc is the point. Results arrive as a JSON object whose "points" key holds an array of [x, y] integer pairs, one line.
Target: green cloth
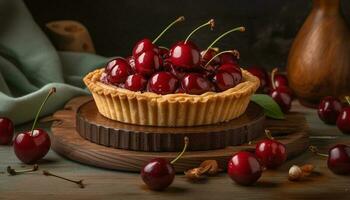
{"points": [[30, 66]]}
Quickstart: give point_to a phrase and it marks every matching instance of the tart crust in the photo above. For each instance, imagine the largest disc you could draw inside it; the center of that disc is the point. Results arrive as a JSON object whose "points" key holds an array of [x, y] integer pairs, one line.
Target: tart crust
{"points": [[147, 108]]}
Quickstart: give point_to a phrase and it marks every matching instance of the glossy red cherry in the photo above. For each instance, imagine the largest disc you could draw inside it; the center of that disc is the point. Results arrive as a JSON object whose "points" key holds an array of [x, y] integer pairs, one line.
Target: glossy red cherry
{"points": [[343, 121], [144, 45], [232, 69], [329, 109], [159, 173], [147, 63], [31, 146], [6, 131], [117, 61], [148, 45], [281, 94], [282, 98], [281, 80], [118, 73], [263, 77], [186, 54], [244, 168], [135, 82], [195, 83], [223, 81], [270, 152], [231, 58], [162, 83], [339, 159]]}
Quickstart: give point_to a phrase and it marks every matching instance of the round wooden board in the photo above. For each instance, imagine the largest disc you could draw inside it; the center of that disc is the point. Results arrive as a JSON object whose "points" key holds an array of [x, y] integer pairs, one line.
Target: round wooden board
{"points": [[66, 141], [96, 128]]}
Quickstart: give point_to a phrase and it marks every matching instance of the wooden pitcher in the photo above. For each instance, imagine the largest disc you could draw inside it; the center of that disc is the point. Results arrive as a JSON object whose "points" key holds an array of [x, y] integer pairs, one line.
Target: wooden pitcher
{"points": [[319, 60]]}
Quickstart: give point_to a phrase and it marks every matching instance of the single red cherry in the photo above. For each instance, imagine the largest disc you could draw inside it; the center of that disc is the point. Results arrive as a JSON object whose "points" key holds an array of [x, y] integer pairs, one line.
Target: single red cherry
{"points": [[230, 68], [281, 94], [135, 82], [147, 63], [186, 54], [6, 131], [31, 146], [118, 73], [162, 83], [223, 81], [329, 109], [244, 168], [194, 83], [281, 80], [339, 159], [343, 121], [148, 45], [263, 77], [235, 71], [159, 173], [115, 62], [270, 152]]}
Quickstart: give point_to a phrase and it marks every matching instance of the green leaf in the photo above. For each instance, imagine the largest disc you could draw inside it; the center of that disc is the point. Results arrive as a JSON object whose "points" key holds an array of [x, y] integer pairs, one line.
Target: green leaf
{"points": [[271, 108]]}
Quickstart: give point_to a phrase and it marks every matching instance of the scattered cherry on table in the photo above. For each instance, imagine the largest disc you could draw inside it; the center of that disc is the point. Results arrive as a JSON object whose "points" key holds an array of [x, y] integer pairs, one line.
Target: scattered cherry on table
{"points": [[6, 131], [159, 173], [244, 168], [343, 121], [281, 94], [329, 109], [31, 146], [270, 152]]}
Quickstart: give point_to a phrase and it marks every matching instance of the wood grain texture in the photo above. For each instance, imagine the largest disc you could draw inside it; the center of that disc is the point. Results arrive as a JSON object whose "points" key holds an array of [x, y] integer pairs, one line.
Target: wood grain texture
{"points": [[67, 142], [96, 128], [319, 62]]}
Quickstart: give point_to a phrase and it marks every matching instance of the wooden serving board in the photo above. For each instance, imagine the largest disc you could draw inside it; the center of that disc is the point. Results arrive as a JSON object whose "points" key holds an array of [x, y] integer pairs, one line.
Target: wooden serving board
{"points": [[66, 141], [96, 128]]}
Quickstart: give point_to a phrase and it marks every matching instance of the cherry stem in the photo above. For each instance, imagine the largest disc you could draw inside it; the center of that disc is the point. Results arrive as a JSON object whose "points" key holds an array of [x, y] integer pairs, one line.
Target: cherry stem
{"points": [[222, 52], [347, 98], [210, 22], [52, 90], [186, 140], [180, 19], [229, 51], [273, 73], [80, 182], [241, 29], [269, 134], [315, 150], [13, 172]]}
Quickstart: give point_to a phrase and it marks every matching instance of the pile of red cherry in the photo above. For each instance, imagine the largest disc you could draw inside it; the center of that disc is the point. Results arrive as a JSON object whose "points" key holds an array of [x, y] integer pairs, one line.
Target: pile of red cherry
{"points": [[332, 111], [180, 69], [275, 85], [29, 146]]}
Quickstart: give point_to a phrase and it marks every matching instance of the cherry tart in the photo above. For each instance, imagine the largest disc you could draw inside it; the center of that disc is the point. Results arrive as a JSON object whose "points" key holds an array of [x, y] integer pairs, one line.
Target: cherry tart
{"points": [[164, 100]]}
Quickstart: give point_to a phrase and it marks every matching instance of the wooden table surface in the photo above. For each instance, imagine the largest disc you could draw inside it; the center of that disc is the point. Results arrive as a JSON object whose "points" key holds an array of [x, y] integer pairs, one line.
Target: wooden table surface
{"points": [[107, 184]]}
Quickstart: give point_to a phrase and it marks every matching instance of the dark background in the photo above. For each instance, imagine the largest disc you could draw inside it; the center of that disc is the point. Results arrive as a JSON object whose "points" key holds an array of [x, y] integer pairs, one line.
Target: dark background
{"points": [[115, 25]]}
